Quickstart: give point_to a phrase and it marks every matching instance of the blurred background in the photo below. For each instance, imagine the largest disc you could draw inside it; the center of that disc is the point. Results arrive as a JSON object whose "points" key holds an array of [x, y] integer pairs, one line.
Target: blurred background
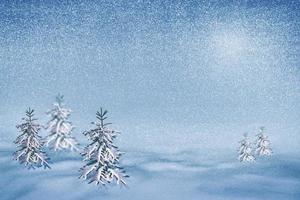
{"points": [[174, 75]]}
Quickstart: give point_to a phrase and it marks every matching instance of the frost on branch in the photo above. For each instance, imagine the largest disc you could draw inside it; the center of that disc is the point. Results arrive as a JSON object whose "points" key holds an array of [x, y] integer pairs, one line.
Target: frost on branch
{"points": [[101, 155], [245, 151], [60, 128], [30, 143], [263, 144]]}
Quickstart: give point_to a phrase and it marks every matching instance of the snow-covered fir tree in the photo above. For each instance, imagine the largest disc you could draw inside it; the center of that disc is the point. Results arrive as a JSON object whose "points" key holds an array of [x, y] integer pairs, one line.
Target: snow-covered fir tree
{"points": [[263, 144], [102, 155], [245, 150], [30, 143], [60, 128]]}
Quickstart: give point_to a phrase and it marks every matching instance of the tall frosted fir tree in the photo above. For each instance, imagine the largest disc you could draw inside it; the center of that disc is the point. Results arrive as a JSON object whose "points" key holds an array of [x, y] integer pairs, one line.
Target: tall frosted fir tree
{"points": [[245, 151], [30, 143], [60, 128], [102, 155], [263, 144]]}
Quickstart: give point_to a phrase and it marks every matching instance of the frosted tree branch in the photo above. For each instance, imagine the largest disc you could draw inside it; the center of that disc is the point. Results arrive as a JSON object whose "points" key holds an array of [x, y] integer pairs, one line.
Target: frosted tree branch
{"points": [[60, 128], [263, 144], [30, 144], [101, 155], [245, 150]]}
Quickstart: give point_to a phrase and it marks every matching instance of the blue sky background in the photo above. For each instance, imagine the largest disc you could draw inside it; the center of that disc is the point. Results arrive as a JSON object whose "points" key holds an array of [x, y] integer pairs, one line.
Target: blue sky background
{"points": [[182, 80], [173, 74]]}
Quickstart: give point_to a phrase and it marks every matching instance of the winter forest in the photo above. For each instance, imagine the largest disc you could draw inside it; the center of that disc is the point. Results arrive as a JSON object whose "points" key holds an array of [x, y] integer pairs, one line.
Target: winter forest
{"points": [[150, 99]]}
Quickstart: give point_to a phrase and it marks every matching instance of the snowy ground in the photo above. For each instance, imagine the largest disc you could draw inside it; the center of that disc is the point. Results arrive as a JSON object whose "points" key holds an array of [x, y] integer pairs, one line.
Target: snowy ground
{"points": [[185, 175], [182, 80]]}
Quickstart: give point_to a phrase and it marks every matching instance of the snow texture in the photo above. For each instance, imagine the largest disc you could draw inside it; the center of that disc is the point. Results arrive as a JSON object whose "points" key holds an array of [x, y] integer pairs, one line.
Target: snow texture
{"points": [[182, 175], [182, 79]]}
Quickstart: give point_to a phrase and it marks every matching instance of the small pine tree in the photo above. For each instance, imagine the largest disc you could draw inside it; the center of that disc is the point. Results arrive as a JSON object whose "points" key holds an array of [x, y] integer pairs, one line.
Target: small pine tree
{"points": [[60, 128], [263, 144], [102, 155], [30, 143], [245, 151]]}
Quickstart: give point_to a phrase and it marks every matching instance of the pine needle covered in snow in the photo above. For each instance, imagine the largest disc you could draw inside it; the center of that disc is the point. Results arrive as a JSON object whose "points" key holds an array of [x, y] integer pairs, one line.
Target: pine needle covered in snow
{"points": [[245, 150], [30, 143], [263, 144], [60, 128], [101, 155]]}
